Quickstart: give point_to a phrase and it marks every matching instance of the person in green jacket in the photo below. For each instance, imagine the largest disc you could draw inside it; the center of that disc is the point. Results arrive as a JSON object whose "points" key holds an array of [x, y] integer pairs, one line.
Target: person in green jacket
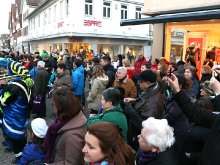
{"points": [[112, 111]]}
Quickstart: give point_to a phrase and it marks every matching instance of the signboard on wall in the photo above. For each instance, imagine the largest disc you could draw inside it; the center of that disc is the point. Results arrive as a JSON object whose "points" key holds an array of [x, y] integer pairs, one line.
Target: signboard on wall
{"points": [[72, 39], [164, 5], [217, 55], [92, 23]]}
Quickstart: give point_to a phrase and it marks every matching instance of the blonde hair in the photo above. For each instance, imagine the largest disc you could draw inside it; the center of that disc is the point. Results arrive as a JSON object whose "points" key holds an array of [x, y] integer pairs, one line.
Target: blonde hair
{"points": [[207, 69], [126, 62], [163, 67], [115, 58], [98, 71]]}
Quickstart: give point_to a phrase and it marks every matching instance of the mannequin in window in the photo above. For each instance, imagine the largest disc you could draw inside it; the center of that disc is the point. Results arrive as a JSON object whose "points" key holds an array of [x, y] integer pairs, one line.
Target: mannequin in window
{"points": [[210, 52], [191, 51]]}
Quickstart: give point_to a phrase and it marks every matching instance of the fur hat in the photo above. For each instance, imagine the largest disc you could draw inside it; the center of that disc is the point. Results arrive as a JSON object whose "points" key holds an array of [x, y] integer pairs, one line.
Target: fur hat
{"points": [[206, 87]]}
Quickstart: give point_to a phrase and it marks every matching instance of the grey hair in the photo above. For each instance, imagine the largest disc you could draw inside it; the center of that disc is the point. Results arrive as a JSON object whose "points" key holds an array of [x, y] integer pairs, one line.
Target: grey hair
{"points": [[160, 134], [41, 64], [122, 68]]}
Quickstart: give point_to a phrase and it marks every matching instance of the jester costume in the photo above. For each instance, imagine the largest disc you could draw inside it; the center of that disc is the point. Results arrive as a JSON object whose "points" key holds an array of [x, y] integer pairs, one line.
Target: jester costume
{"points": [[15, 105]]}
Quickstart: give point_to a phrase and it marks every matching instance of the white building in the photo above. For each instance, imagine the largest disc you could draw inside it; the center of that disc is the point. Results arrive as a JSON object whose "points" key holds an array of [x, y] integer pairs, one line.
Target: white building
{"points": [[91, 24], [27, 6]]}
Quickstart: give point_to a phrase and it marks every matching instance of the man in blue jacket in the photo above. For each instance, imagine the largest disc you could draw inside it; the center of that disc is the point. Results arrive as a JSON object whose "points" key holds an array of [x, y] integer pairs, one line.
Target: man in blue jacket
{"points": [[78, 79]]}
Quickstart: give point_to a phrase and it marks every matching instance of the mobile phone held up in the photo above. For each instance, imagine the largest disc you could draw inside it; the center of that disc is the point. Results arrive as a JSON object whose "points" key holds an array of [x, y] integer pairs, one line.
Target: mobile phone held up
{"points": [[170, 71], [213, 73]]}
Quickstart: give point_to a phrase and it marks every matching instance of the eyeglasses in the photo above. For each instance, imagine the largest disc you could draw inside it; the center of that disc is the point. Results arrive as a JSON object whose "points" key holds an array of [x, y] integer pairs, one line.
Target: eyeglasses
{"points": [[141, 139], [140, 81]]}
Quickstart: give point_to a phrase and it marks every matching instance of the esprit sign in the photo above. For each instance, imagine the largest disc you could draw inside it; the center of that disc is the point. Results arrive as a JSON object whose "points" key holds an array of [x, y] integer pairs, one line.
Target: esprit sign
{"points": [[165, 5], [60, 24], [92, 23]]}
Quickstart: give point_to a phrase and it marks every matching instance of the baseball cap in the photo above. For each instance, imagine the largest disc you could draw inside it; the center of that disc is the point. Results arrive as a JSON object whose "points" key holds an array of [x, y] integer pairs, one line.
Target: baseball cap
{"points": [[147, 75], [38, 126]]}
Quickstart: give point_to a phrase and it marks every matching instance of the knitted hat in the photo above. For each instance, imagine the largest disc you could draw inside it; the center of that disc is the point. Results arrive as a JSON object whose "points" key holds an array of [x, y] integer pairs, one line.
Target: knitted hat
{"points": [[38, 126], [3, 63], [147, 75], [206, 87], [14, 68]]}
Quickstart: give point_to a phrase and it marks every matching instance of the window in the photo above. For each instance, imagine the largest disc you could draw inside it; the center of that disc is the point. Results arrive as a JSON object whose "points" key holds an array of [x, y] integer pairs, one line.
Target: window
{"points": [[38, 20], [45, 18], [55, 12], [61, 9], [124, 12], [67, 7], [49, 15], [137, 13], [88, 7], [106, 9], [33, 23], [30, 25]]}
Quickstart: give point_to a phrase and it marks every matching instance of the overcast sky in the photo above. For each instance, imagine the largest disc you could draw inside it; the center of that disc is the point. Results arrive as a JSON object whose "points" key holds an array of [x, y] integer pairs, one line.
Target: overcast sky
{"points": [[4, 12]]}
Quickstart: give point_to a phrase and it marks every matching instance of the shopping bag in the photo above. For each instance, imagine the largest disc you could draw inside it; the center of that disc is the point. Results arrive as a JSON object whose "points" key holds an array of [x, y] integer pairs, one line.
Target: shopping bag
{"points": [[37, 103]]}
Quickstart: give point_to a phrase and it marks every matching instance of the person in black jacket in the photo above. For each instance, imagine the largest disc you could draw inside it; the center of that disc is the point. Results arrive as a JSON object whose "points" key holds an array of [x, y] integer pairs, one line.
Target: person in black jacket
{"points": [[211, 149], [109, 70], [48, 65], [173, 113], [40, 86]]}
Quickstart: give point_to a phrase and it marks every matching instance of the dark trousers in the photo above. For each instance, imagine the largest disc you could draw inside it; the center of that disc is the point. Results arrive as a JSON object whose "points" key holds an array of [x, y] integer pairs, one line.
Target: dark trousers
{"points": [[18, 146], [43, 112]]}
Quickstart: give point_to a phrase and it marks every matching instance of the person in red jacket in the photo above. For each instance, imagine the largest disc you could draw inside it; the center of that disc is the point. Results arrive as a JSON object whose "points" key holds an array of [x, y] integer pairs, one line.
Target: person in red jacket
{"points": [[141, 59]]}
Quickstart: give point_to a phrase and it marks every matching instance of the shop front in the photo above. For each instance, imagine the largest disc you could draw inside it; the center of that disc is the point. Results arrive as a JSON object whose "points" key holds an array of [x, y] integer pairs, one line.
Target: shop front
{"points": [[201, 41], [198, 23], [112, 46]]}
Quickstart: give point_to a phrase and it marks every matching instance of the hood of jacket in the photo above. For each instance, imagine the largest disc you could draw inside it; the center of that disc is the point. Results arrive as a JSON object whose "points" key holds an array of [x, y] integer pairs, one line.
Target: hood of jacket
{"points": [[104, 80], [109, 67], [76, 122], [79, 69], [65, 72]]}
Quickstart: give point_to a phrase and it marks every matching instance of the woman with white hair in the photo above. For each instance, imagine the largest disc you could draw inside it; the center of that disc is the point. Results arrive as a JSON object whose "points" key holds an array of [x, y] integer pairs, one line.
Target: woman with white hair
{"points": [[156, 143]]}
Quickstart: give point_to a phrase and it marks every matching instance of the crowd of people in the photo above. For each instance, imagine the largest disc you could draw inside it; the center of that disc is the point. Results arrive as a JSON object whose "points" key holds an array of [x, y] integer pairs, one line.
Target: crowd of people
{"points": [[152, 113]]}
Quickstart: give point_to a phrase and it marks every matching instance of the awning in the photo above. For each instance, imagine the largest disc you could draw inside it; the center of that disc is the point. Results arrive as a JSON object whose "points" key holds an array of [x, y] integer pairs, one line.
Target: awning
{"points": [[180, 17]]}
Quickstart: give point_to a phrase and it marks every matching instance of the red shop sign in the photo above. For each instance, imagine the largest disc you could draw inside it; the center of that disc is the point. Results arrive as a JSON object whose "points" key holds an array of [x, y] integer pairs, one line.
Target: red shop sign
{"points": [[60, 24], [217, 55], [75, 39], [92, 22]]}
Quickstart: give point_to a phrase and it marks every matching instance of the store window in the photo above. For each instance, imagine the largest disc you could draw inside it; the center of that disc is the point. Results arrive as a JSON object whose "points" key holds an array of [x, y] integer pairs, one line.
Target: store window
{"points": [[138, 13], [67, 7], [33, 22], [49, 15], [124, 12], [199, 40], [45, 18], [55, 12], [39, 20], [106, 9], [61, 9], [88, 7]]}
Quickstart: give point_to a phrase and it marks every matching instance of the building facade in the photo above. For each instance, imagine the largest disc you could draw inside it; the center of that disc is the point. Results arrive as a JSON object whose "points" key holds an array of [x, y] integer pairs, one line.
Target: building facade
{"points": [[88, 24]]}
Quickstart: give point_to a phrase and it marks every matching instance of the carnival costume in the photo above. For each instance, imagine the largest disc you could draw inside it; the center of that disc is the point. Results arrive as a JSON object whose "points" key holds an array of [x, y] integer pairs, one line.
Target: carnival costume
{"points": [[15, 105]]}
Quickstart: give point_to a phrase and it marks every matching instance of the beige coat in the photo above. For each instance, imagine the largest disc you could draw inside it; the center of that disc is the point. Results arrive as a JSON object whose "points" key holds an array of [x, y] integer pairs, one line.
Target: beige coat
{"points": [[70, 145], [98, 86]]}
